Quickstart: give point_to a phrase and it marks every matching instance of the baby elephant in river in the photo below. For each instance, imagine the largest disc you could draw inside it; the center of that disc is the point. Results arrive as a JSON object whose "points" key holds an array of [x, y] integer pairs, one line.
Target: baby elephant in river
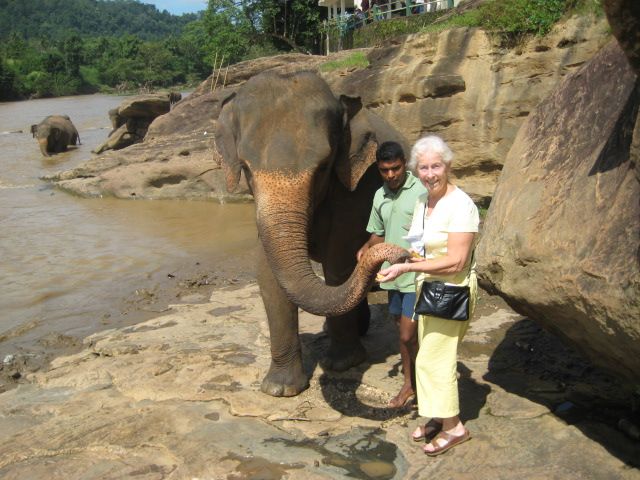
{"points": [[54, 134]]}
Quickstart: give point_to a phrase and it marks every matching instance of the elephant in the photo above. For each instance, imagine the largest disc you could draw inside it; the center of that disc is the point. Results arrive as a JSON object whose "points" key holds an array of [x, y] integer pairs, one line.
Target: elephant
{"points": [[174, 97], [55, 133], [309, 161]]}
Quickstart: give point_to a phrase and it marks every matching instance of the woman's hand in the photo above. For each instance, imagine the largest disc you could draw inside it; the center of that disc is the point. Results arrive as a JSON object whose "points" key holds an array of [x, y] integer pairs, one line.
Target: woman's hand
{"points": [[392, 272]]}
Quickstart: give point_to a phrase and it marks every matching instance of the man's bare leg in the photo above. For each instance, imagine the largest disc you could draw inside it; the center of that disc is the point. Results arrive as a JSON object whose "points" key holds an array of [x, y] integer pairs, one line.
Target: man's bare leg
{"points": [[408, 350]]}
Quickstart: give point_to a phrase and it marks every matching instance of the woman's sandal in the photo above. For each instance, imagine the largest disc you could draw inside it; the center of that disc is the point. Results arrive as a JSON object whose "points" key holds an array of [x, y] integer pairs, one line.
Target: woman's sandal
{"points": [[450, 442], [428, 431]]}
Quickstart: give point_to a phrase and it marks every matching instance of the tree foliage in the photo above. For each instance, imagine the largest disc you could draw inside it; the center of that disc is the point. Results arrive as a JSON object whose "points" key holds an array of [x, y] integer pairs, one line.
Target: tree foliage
{"points": [[64, 47], [241, 29], [57, 19]]}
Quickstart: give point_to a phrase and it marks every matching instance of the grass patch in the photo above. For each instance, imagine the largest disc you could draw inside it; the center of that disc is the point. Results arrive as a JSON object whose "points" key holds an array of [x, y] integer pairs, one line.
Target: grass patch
{"points": [[467, 19], [355, 60]]}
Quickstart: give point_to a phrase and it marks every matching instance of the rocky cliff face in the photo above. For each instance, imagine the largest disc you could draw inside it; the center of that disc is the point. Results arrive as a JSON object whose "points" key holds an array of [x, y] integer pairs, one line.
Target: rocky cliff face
{"points": [[465, 86], [462, 84]]}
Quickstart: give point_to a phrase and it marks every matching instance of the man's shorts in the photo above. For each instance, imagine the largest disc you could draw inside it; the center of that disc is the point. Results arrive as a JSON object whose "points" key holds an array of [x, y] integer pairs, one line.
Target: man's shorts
{"points": [[401, 303]]}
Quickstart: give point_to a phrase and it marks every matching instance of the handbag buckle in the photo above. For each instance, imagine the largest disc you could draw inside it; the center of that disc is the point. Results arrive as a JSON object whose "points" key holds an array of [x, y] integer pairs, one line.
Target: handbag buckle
{"points": [[438, 289]]}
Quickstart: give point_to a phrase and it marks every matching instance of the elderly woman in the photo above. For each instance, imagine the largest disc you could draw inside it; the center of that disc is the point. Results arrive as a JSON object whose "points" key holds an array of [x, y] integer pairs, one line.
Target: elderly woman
{"points": [[445, 223]]}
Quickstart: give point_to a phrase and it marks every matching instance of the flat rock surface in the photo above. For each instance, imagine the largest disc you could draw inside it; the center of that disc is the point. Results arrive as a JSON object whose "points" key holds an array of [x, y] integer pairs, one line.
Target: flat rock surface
{"points": [[178, 396]]}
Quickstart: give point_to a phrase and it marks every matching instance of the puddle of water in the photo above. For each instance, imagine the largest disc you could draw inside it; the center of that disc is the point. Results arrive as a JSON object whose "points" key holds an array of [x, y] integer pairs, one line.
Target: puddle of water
{"points": [[361, 453], [257, 468]]}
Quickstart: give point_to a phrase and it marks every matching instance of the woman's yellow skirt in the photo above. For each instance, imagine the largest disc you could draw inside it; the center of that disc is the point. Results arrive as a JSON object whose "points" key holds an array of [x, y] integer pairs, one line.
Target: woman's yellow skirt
{"points": [[436, 362]]}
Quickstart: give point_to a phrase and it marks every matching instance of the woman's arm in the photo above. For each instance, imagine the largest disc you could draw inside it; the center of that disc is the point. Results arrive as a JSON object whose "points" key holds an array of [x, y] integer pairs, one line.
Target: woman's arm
{"points": [[459, 246]]}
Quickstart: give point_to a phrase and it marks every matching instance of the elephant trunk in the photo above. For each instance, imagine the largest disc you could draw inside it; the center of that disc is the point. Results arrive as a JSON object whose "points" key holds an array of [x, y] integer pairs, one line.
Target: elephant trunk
{"points": [[283, 229], [42, 142]]}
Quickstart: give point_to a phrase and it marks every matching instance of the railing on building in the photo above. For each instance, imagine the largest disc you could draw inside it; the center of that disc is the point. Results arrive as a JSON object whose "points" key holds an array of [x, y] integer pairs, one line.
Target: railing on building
{"points": [[345, 23]]}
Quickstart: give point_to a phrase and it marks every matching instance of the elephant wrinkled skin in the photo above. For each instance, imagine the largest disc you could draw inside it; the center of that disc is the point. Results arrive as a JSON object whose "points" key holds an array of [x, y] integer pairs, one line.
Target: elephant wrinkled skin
{"points": [[309, 160], [54, 134]]}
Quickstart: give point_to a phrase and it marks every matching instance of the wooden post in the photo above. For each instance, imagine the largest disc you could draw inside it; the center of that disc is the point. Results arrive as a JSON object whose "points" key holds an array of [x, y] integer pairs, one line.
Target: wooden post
{"points": [[215, 59]]}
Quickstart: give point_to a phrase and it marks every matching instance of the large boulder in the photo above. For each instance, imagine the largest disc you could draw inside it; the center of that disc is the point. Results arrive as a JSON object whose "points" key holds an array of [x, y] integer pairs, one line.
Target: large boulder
{"points": [[561, 242], [624, 18], [131, 120]]}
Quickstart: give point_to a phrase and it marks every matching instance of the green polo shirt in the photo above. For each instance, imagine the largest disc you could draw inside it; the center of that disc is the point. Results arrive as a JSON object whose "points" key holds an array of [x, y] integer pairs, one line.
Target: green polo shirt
{"points": [[391, 218]]}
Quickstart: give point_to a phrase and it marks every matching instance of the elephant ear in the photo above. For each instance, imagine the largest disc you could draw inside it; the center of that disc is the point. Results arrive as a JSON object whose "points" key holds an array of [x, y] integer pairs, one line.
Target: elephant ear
{"points": [[359, 149], [226, 143]]}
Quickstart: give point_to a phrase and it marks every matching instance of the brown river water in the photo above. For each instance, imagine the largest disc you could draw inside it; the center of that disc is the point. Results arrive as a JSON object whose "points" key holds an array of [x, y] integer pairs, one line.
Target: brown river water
{"points": [[67, 263]]}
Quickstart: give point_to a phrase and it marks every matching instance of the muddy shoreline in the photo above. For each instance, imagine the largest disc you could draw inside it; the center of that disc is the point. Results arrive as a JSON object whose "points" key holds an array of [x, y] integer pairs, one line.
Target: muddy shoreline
{"points": [[192, 281], [175, 381], [525, 346]]}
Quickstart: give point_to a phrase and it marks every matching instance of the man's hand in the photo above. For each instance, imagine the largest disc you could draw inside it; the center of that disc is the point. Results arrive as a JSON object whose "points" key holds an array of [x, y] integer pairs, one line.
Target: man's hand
{"points": [[373, 239], [362, 251]]}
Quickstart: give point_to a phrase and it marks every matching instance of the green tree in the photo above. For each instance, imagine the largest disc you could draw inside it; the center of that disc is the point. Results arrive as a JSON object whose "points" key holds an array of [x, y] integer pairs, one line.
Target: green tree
{"points": [[294, 22], [72, 55], [160, 65], [229, 31], [191, 50], [7, 82]]}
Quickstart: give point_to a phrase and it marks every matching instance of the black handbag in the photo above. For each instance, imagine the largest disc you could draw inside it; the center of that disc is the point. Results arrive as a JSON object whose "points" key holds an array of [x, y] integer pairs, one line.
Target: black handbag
{"points": [[444, 301]]}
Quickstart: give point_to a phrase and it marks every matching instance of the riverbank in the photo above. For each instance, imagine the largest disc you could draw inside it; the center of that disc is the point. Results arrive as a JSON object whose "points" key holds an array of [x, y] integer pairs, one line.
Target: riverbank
{"points": [[177, 396]]}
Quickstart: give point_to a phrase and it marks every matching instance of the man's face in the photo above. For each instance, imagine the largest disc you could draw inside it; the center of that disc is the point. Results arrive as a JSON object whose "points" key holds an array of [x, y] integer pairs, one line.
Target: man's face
{"points": [[393, 173]]}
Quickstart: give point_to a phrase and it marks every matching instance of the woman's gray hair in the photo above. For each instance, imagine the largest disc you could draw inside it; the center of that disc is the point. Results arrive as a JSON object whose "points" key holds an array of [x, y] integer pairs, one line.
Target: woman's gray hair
{"points": [[430, 143]]}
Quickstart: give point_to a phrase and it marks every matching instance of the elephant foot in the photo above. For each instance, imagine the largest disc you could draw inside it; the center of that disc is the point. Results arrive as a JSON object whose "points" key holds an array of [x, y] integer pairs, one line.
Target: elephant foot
{"points": [[343, 357], [284, 382]]}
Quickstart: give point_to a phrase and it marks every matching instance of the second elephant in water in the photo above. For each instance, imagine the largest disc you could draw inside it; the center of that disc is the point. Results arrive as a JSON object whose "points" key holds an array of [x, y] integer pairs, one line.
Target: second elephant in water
{"points": [[54, 134], [309, 159]]}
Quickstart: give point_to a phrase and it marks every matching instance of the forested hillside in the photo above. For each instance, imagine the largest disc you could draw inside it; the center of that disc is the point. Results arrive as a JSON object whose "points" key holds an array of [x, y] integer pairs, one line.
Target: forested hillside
{"points": [[65, 47], [56, 19]]}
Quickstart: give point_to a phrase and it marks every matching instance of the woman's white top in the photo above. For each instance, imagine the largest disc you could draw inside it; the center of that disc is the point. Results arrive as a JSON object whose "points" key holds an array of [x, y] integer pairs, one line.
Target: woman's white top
{"points": [[428, 235]]}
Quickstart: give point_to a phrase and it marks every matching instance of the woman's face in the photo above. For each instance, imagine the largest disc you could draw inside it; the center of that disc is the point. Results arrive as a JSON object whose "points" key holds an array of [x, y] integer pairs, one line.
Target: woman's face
{"points": [[433, 173]]}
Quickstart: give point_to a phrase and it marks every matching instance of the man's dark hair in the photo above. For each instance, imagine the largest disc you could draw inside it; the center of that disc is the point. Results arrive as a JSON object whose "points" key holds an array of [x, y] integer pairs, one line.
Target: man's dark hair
{"points": [[389, 151]]}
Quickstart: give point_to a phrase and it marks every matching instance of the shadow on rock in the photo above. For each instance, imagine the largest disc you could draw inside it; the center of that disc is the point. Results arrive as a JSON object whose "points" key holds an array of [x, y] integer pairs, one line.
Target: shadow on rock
{"points": [[473, 395], [357, 391], [533, 364]]}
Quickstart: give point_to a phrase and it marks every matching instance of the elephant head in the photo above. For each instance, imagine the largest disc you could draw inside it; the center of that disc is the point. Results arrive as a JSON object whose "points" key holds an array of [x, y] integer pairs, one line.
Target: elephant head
{"points": [[292, 138]]}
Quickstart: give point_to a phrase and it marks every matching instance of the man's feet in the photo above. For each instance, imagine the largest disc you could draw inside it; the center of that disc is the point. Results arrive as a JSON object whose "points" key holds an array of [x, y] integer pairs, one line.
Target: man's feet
{"points": [[427, 431], [445, 441], [405, 395]]}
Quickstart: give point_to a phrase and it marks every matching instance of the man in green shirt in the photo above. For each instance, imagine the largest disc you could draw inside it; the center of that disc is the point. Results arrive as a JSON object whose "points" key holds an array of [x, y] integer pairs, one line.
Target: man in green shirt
{"points": [[390, 219]]}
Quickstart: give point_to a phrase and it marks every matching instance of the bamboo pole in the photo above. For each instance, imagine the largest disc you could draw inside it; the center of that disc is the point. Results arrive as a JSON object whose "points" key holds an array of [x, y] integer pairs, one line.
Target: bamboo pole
{"points": [[224, 83], [215, 60], [218, 75]]}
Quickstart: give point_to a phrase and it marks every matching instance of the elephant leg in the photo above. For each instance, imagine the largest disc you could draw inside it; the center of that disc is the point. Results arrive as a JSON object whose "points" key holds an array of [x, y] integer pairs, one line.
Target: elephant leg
{"points": [[286, 376], [345, 350]]}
